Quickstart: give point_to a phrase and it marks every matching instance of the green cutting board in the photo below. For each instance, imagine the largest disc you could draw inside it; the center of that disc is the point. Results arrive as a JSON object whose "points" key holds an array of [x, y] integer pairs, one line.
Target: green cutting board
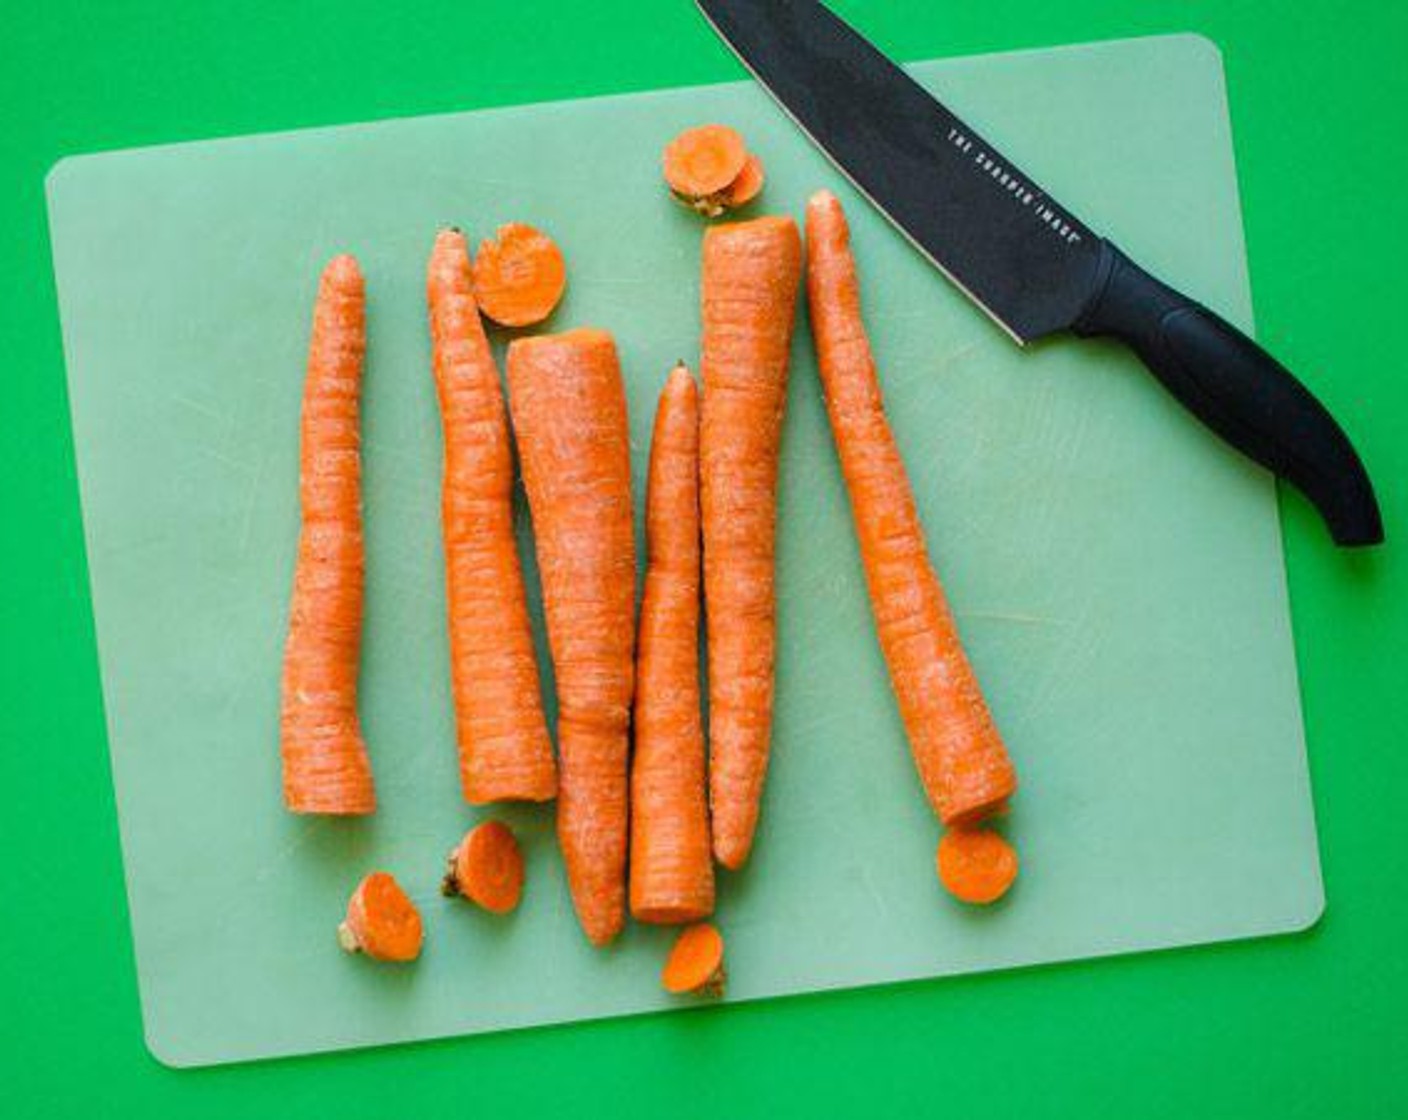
{"points": [[1116, 572]]}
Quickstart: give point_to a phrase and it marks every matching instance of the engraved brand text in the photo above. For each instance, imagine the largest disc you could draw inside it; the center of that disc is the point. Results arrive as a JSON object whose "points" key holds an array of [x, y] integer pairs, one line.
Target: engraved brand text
{"points": [[1020, 190]]}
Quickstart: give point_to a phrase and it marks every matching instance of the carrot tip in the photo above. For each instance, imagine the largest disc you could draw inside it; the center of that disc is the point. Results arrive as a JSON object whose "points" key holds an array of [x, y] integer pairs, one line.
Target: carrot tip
{"points": [[695, 965], [977, 866]]}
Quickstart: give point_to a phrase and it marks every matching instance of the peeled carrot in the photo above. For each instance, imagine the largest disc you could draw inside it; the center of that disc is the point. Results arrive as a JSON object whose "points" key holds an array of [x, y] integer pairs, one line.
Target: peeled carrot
{"points": [[962, 762], [751, 272], [519, 276], [381, 921], [672, 873], [747, 186], [504, 749], [325, 763], [569, 414], [695, 965], [486, 867], [704, 161], [976, 865]]}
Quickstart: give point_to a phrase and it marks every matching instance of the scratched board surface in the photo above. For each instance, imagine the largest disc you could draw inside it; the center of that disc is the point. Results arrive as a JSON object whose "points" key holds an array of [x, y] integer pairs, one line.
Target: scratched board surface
{"points": [[1117, 574]]}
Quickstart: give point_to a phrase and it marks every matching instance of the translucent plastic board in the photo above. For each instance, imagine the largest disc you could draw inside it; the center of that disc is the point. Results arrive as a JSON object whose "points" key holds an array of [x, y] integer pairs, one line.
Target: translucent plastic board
{"points": [[1117, 573]]}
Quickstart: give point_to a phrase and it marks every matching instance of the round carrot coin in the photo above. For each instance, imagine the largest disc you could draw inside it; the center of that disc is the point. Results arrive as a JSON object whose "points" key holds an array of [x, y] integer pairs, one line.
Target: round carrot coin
{"points": [[519, 276], [382, 921], [487, 868], [696, 962], [703, 161], [747, 186], [976, 865]]}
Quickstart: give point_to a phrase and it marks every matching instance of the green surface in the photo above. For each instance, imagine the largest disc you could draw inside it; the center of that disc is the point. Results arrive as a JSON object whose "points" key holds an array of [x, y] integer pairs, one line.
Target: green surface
{"points": [[1304, 1026], [1142, 677]]}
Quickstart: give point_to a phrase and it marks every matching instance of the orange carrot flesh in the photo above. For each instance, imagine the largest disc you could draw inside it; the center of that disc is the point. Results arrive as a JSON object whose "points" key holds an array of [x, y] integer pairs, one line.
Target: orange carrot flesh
{"points": [[704, 161], [976, 865], [382, 921], [519, 276], [747, 186], [696, 962], [671, 869], [751, 272], [962, 762], [569, 414], [325, 763], [487, 868], [504, 749]]}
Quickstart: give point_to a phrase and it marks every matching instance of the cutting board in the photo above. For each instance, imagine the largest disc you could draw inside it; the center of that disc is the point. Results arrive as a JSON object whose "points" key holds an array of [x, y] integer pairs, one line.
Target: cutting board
{"points": [[1116, 572]]}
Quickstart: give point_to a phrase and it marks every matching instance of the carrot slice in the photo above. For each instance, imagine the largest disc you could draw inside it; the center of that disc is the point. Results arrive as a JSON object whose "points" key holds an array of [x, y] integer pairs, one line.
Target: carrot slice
{"points": [[325, 763], [703, 161], [976, 865], [747, 186], [672, 871], [568, 405], [751, 272], [962, 762], [695, 965], [486, 867], [381, 921], [519, 276], [504, 750]]}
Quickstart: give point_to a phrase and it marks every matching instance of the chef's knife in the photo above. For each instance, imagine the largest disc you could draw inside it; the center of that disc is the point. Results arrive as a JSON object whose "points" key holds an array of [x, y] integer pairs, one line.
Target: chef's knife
{"points": [[1024, 258]]}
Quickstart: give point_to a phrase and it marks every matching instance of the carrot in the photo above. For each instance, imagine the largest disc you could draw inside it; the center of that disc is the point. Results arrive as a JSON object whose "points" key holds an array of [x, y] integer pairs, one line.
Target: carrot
{"points": [[750, 277], [325, 763], [710, 171], [381, 921], [695, 965], [703, 161], [486, 867], [962, 762], [569, 414], [976, 865], [672, 874], [747, 186], [520, 276], [504, 749]]}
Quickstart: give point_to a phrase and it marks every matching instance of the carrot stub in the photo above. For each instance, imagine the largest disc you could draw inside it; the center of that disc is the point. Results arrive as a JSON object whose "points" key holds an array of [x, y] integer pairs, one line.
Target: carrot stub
{"points": [[695, 965], [962, 762], [519, 276], [672, 872], [569, 413], [381, 921], [325, 763], [504, 749], [976, 865], [751, 272], [704, 161], [486, 867], [747, 186]]}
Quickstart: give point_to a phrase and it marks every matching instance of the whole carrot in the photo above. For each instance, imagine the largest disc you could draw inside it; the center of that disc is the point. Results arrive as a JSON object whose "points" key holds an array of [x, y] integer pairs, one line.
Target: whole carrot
{"points": [[751, 272], [504, 749], [569, 415], [325, 763], [961, 759], [672, 874]]}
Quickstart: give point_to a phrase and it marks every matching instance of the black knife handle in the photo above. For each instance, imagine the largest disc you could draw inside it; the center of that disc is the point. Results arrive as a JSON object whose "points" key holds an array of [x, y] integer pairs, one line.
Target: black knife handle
{"points": [[1238, 390]]}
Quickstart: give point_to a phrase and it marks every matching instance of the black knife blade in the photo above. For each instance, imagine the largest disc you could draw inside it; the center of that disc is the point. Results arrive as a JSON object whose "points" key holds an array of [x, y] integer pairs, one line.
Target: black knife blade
{"points": [[1027, 260]]}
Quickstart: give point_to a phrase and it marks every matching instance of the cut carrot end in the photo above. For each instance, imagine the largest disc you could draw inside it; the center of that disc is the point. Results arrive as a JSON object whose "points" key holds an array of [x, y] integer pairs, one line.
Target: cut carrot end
{"points": [[487, 868], [381, 921], [519, 276], [696, 962], [747, 186], [675, 915], [703, 161], [976, 865]]}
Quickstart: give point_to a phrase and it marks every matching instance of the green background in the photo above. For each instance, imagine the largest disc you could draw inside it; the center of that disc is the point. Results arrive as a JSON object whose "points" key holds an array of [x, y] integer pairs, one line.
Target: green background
{"points": [[1310, 1025]]}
